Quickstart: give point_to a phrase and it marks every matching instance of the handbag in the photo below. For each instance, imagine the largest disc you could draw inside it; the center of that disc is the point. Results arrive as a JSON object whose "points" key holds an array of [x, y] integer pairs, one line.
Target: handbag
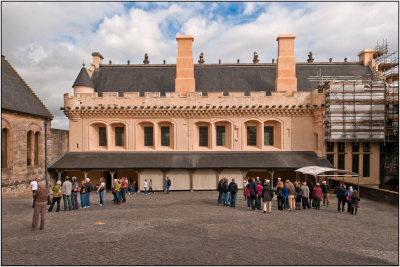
{"points": [[48, 200]]}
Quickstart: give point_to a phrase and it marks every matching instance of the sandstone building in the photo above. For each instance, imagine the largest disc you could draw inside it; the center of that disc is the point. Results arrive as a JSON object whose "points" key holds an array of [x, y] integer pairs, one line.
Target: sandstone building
{"points": [[24, 122], [199, 122]]}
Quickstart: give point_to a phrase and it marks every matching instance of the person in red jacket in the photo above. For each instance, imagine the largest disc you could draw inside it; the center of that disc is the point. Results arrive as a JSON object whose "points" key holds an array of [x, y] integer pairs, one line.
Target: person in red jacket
{"points": [[317, 195]]}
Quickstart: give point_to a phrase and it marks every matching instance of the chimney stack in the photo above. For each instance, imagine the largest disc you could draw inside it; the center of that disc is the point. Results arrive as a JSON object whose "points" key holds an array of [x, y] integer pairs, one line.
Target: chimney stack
{"points": [[97, 60], [366, 57], [286, 65], [184, 81]]}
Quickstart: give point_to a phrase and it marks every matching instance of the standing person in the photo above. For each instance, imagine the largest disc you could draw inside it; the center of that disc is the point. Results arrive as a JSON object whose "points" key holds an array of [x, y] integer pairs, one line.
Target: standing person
{"points": [[56, 196], [151, 186], [341, 196], [267, 194], [245, 183], [253, 193], [311, 196], [134, 187], [145, 186], [40, 196], [305, 195], [225, 191], [248, 196], [279, 193], [89, 188], [34, 187], [233, 189], [219, 188], [317, 195], [299, 195], [325, 193], [355, 199], [348, 198], [66, 192], [123, 189], [102, 192], [292, 193], [117, 187], [168, 186], [286, 196], [83, 194], [259, 194], [74, 193]]}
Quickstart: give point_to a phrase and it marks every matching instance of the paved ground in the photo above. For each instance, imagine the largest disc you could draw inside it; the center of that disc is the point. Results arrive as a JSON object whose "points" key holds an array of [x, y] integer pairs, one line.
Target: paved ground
{"points": [[186, 228]]}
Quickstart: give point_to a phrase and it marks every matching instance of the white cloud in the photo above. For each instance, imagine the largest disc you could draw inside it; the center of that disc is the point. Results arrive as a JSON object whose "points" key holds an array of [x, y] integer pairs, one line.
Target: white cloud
{"points": [[47, 42]]}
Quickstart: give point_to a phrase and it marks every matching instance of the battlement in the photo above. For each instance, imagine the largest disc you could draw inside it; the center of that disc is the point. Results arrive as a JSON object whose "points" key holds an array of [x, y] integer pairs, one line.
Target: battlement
{"points": [[233, 99]]}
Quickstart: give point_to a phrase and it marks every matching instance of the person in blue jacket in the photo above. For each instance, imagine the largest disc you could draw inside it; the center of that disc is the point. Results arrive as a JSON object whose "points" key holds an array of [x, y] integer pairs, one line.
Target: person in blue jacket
{"points": [[348, 198]]}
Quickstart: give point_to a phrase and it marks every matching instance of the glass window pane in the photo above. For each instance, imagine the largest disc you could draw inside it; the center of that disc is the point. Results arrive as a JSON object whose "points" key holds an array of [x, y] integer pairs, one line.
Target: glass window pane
{"points": [[330, 158], [268, 135], [366, 165], [119, 136], [220, 135], [29, 149], [251, 135], [203, 136], [341, 147], [341, 158], [330, 146], [355, 146], [366, 147], [165, 136], [102, 136], [355, 163], [36, 149], [4, 148], [148, 136]]}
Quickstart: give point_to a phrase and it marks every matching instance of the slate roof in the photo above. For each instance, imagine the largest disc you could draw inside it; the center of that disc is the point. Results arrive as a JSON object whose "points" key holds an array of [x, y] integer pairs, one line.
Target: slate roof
{"points": [[188, 160], [17, 96], [83, 79], [214, 77]]}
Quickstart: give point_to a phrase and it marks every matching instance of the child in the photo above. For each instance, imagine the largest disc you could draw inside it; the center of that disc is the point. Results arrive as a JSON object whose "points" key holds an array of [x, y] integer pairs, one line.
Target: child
{"points": [[354, 202], [248, 196]]}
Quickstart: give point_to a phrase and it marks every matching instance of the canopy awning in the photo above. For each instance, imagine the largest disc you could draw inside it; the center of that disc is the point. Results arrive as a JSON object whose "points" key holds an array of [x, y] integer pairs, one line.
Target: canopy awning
{"points": [[188, 160], [319, 170]]}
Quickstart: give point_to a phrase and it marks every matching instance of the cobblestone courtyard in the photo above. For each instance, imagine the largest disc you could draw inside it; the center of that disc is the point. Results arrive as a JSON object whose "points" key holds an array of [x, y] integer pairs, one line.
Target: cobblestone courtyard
{"points": [[186, 228]]}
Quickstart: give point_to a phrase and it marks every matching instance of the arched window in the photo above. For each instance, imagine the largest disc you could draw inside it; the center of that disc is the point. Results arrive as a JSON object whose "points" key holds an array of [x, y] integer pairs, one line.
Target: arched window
{"points": [[29, 149], [36, 149], [4, 148]]}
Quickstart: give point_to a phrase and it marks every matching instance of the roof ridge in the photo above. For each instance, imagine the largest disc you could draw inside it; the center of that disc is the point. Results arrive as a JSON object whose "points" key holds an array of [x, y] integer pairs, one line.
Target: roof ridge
{"points": [[28, 87]]}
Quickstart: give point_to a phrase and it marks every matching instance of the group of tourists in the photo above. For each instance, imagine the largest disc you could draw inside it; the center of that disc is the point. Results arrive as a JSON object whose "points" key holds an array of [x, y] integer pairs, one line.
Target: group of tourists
{"points": [[290, 196]]}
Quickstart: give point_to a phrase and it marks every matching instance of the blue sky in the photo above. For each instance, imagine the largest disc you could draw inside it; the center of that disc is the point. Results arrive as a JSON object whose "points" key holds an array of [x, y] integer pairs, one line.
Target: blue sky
{"points": [[52, 39]]}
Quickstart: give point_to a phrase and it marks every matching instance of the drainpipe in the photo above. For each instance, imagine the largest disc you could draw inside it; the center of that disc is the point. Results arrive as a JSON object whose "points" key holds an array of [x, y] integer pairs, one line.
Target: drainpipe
{"points": [[45, 153]]}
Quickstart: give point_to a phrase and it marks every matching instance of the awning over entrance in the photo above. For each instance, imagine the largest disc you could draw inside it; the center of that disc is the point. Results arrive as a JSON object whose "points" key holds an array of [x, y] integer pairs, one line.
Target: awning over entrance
{"points": [[188, 160]]}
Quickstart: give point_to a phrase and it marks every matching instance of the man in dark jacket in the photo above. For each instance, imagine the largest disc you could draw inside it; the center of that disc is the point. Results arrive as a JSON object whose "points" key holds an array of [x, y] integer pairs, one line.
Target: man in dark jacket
{"points": [[219, 188], [341, 196], [225, 192], [233, 189], [253, 193], [279, 193], [268, 194], [325, 193]]}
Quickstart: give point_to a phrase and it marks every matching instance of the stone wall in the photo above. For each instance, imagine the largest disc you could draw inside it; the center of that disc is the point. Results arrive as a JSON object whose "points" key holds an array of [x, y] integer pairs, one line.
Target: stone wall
{"points": [[57, 144]]}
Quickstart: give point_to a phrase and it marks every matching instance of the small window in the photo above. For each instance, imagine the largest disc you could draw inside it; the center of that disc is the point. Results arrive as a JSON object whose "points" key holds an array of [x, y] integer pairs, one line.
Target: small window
{"points": [[36, 150], [268, 135], [331, 158], [251, 135], [341, 147], [356, 147], [203, 136], [366, 165], [165, 136], [29, 149], [119, 136], [341, 158], [355, 163], [148, 136], [330, 146], [366, 147], [220, 135], [4, 148], [102, 136]]}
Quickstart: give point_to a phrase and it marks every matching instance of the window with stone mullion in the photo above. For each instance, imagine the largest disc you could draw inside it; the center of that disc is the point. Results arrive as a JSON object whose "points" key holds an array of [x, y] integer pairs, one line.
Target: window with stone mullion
{"points": [[148, 136], [251, 135], [203, 135], [165, 136], [220, 135], [119, 136]]}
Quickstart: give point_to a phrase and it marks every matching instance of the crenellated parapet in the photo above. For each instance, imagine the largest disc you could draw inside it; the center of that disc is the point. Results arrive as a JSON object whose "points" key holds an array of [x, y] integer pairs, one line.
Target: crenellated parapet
{"points": [[193, 103]]}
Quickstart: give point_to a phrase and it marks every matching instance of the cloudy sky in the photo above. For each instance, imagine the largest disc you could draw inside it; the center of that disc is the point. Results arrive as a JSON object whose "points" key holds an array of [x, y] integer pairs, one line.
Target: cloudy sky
{"points": [[47, 42]]}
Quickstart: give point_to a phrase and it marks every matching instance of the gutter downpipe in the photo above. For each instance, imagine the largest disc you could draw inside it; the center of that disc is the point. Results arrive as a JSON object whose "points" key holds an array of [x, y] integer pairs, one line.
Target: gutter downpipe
{"points": [[45, 153]]}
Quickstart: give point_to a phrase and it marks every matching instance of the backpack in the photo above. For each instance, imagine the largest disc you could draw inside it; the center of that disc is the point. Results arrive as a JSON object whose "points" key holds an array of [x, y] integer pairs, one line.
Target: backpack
{"points": [[89, 187], [75, 187], [169, 182]]}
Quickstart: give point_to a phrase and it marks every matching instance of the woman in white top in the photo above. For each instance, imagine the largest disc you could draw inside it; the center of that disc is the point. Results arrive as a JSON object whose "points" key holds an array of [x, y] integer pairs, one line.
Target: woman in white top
{"points": [[102, 192]]}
